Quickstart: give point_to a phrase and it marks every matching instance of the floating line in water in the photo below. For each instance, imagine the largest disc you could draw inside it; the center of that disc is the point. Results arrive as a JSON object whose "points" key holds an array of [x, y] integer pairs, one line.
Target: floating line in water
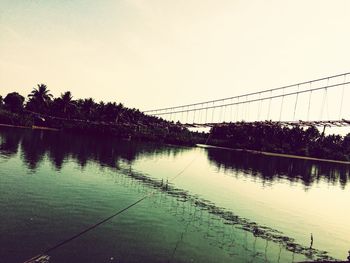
{"points": [[86, 230], [261, 231], [33, 259]]}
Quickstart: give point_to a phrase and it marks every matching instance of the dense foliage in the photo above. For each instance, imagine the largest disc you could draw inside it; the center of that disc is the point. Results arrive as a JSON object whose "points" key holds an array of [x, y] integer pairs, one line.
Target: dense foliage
{"points": [[87, 116], [273, 137]]}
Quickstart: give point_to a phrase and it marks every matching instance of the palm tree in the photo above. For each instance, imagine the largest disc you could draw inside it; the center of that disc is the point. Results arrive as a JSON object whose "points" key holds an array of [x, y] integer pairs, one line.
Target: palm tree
{"points": [[87, 107], [39, 98], [66, 100]]}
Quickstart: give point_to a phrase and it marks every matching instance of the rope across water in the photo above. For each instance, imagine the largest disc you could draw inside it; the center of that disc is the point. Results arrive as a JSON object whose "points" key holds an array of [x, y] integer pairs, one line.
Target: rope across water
{"points": [[69, 239]]}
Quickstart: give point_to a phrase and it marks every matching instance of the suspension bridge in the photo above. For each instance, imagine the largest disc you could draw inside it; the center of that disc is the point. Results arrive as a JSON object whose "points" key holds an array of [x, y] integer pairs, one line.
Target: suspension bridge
{"points": [[318, 102]]}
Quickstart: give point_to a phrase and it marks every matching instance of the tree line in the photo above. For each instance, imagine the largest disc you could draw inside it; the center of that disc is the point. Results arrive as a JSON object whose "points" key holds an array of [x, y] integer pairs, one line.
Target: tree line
{"points": [[273, 137], [87, 116], [40, 100]]}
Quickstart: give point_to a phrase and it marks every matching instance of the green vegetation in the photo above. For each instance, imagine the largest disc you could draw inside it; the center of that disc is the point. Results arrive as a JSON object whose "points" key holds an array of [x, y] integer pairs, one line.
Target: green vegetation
{"points": [[87, 116], [272, 137]]}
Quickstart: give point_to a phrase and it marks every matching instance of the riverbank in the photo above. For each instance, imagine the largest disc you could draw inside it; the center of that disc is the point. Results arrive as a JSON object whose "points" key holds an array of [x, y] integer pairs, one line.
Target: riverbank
{"points": [[28, 127], [167, 133], [130, 125], [274, 154], [277, 138]]}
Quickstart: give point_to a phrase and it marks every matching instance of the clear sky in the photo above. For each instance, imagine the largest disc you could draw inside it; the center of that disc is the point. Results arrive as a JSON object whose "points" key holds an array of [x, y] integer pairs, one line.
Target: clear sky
{"points": [[156, 53]]}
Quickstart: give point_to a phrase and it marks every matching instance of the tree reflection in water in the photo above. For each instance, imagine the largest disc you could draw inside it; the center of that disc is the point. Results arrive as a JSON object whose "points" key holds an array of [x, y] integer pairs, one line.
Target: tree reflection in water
{"points": [[272, 168], [108, 152], [59, 147]]}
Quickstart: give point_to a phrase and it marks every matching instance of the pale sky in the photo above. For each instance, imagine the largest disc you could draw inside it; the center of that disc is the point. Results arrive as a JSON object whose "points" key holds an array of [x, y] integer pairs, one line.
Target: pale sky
{"points": [[158, 53]]}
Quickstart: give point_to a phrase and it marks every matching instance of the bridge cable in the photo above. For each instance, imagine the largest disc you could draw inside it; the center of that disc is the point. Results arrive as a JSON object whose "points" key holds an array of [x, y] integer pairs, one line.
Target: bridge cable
{"points": [[237, 109], [206, 115], [327, 106], [248, 111], [45, 252], [281, 105], [224, 114], [296, 102], [308, 110], [255, 93], [245, 108], [342, 98], [194, 115], [259, 107], [268, 111], [171, 113], [243, 111], [212, 116], [220, 114], [273, 97], [187, 114], [323, 100]]}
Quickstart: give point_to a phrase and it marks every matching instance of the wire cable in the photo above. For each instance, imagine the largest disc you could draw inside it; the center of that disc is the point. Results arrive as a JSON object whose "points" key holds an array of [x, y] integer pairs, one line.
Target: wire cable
{"points": [[45, 252]]}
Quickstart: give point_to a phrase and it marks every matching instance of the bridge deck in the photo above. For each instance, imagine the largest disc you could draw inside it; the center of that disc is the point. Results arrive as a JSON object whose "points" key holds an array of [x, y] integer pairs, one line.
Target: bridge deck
{"points": [[323, 123]]}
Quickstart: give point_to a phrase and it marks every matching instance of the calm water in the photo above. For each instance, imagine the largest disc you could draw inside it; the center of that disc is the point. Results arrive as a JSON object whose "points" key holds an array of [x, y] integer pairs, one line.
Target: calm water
{"points": [[218, 206]]}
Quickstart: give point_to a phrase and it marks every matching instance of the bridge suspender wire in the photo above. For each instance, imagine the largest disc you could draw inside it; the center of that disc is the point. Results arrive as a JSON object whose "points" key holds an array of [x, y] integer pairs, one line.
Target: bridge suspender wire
{"points": [[323, 103], [187, 114], [194, 116], [223, 113], [237, 109], [248, 111], [295, 105], [342, 98], [243, 111], [212, 116], [246, 108], [206, 115], [259, 107], [281, 105], [45, 252], [308, 109], [272, 97], [201, 114], [220, 114], [326, 106], [244, 117], [253, 93], [324, 100], [268, 111]]}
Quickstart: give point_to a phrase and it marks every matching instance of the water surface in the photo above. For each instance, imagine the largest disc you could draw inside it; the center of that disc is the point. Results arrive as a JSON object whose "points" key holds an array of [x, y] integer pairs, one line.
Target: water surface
{"points": [[204, 205]]}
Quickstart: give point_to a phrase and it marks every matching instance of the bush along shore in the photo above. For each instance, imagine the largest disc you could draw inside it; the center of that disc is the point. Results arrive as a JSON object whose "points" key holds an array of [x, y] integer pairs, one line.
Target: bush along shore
{"points": [[275, 138], [88, 117]]}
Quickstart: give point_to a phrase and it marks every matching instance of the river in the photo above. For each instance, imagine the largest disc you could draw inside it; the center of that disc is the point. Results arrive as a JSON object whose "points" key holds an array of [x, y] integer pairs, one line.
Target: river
{"points": [[201, 205]]}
